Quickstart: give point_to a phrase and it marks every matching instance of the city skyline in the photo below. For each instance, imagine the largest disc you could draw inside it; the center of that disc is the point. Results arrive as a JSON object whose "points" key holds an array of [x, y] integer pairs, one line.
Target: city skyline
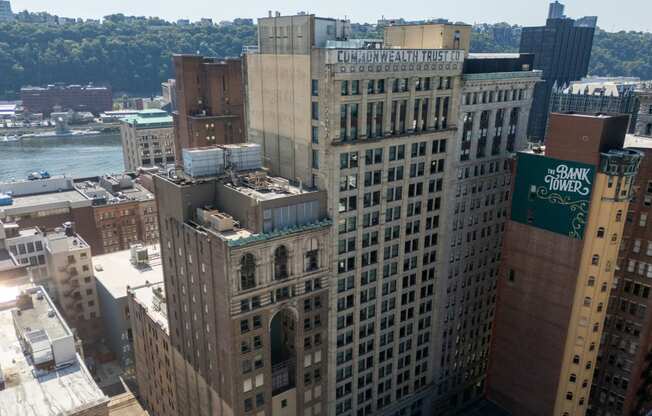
{"points": [[479, 12]]}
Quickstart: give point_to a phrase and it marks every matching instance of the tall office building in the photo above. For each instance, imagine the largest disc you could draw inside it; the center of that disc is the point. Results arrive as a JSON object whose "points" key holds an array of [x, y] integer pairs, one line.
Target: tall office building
{"points": [[383, 137], [562, 49], [372, 127], [492, 122], [246, 266], [210, 102], [560, 251]]}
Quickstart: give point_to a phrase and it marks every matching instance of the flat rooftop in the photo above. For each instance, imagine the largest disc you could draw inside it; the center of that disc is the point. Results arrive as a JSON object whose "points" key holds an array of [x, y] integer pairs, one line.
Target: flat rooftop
{"points": [[262, 187], [29, 391], [89, 190], [31, 203], [39, 317], [58, 241], [146, 297], [114, 271]]}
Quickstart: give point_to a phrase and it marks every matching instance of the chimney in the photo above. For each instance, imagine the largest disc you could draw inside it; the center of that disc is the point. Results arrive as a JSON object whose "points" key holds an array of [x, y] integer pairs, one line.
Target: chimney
{"points": [[69, 228]]}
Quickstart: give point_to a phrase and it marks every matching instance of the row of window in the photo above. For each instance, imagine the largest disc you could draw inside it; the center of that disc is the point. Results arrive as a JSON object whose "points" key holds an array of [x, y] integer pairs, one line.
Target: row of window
{"points": [[281, 269]]}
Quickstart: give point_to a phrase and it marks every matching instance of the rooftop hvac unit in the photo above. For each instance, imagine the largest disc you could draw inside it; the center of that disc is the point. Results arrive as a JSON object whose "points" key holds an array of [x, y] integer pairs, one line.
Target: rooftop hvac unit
{"points": [[139, 255]]}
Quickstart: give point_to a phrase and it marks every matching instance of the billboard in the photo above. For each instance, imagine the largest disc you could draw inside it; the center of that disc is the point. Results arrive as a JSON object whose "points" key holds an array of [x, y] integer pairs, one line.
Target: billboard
{"points": [[552, 194]]}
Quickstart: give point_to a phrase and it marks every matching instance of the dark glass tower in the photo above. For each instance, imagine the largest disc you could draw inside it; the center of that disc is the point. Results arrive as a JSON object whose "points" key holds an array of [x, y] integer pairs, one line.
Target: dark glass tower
{"points": [[562, 49]]}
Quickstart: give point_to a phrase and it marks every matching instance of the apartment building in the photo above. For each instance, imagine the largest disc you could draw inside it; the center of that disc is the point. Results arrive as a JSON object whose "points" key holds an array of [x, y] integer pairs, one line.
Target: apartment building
{"points": [[59, 262], [210, 105], [246, 266], [72, 281], [492, 120], [110, 212], [147, 140], [560, 251]]}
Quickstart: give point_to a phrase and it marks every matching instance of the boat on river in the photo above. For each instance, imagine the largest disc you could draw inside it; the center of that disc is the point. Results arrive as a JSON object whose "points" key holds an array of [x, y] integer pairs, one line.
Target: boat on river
{"points": [[9, 139]]}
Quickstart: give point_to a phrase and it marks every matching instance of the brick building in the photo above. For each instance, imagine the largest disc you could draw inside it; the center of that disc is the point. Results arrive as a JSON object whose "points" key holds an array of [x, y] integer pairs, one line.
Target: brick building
{"points": [[66, 97], [210, 102]]}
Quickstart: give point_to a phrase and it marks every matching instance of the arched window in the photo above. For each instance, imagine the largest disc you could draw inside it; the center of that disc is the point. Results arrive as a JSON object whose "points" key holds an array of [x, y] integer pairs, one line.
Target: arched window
{"points": [[281, 263], [572, 378], [601, 232], [591, 281], [595, 260], [569, 396], [247, 272]]}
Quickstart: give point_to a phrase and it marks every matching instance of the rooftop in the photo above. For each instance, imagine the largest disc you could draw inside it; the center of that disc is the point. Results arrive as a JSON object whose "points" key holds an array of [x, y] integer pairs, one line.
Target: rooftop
{"points": [[59, 241], [31, 203], [40, 317], [29, 390], [262, 187], [151, 118], [152, 298], [115, 271]]}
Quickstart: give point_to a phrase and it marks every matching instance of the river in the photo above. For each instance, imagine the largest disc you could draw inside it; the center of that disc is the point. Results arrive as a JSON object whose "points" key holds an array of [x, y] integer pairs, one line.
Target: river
{"points": [[72, 156]]}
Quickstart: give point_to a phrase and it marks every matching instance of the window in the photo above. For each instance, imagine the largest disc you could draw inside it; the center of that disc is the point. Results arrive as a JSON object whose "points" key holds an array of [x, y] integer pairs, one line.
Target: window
{"points": [[315, 159], [247, 272], [619, 216], [281, 263], [315, 87], [642, 222], [601, 232], [315, 135], [595, 260], [315, 110], [511, 276], [312, 256]]}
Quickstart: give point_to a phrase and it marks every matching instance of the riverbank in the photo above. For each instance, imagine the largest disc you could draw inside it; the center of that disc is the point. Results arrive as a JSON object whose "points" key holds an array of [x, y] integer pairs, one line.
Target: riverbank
{"points": [[74, 156]]}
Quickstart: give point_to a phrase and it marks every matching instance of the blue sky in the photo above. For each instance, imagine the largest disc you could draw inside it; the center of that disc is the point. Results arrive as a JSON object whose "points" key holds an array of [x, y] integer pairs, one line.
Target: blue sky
{"points": [[612, 15]]}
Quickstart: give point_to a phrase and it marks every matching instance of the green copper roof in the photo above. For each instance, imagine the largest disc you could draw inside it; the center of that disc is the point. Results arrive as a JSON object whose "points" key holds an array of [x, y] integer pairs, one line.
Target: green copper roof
{"points": [[262, 237], [152, 118]]}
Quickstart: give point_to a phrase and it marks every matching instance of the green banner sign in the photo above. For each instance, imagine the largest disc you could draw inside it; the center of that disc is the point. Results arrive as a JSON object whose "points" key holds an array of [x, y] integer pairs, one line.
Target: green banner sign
{"points": [[552, 194]]}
